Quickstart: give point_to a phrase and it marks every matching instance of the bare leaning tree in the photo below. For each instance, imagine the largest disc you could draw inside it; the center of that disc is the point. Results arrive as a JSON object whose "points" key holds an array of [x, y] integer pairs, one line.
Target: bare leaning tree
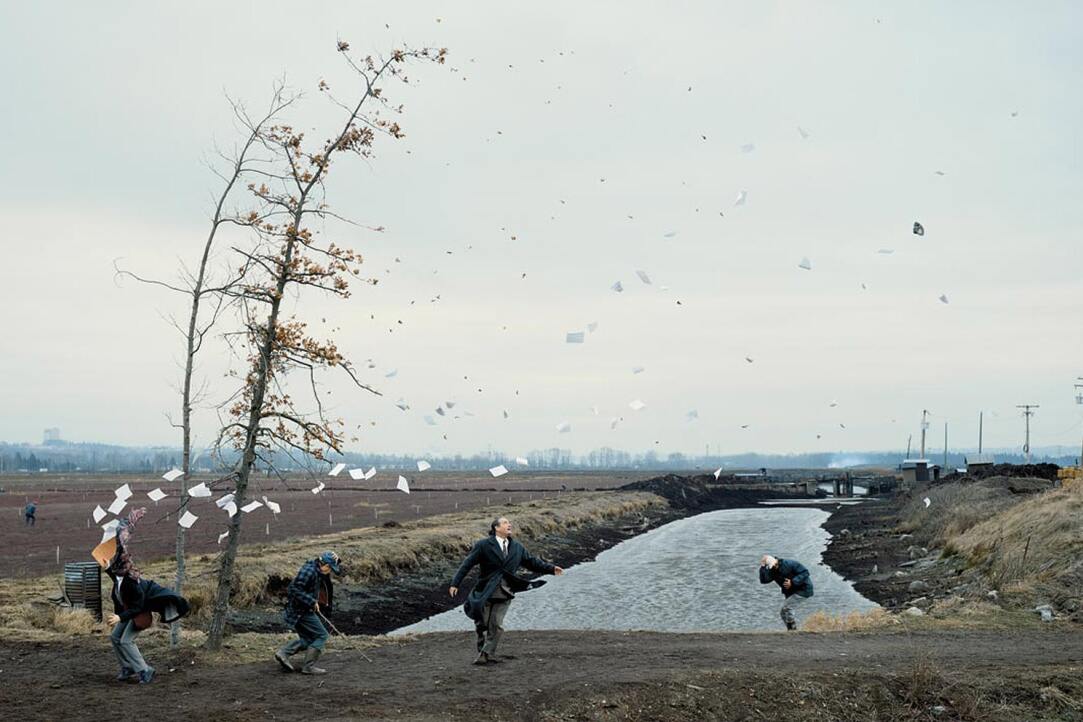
{"points": [[208, 297], [288, 256]]}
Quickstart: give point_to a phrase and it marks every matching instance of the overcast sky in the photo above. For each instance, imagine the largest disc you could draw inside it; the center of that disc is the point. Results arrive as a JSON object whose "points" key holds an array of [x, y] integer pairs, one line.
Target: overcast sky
{"points": [[964, 116]]}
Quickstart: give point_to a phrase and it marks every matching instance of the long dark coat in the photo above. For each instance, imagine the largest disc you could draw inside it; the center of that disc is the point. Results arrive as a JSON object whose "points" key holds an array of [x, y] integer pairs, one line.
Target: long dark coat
{"points": [[493, 567], [801, 582], [143, 595]]}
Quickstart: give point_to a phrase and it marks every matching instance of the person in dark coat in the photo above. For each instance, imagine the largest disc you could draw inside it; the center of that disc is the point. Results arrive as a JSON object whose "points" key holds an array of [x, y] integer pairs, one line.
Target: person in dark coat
{"points": [[794, 580], [308, 597], [29, 511], [134, 601], [498, 558]]}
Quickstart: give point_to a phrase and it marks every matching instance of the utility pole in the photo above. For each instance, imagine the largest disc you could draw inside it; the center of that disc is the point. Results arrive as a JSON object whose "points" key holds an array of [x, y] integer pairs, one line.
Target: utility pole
{"points": [[924, 426], [945, 467], [908, 440], [1027, 413], [1079, 400], [981, 415]]}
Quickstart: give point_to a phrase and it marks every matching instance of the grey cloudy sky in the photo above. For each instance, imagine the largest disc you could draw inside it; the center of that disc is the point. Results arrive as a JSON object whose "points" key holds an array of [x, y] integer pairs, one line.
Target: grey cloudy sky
{"points": [[111, 110]]}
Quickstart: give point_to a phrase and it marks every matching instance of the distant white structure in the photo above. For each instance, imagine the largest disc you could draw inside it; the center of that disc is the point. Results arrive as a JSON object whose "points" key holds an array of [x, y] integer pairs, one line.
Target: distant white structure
{"points": [[52, 434]]}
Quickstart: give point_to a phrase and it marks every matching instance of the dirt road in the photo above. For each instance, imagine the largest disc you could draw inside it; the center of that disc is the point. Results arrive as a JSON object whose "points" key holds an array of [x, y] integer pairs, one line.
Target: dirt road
{"points": [[577, 675]]}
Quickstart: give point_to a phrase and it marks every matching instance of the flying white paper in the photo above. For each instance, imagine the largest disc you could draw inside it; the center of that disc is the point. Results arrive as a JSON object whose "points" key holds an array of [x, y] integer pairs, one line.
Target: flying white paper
{"points": [[272, 505], [230, 508], [251, 506], [498, 471], [99, 513], [748, 148], [927, 502], [187, 519], [226, 499], [805, 264], [173, 475], [638, 369], [156, 494], [222, 536], [644, 277], [337, 470], [116, 506], [717, 473], [692, 415], [637, 405], [592, 326], [391, 374], [318, 488], [521, 461], [564, 427], [199, 490], [370, 473], [742, 196], [618, 287], [804, 133], [403, 485], [357, 474], [574, 337], [109, 530], [123, 492], [943, 298], [671, 234], [423, 465]]}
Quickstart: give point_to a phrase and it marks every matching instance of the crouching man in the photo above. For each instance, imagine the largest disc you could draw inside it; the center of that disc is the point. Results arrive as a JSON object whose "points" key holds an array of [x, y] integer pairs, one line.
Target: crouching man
{"points": [[794, 580], [308, 597]]}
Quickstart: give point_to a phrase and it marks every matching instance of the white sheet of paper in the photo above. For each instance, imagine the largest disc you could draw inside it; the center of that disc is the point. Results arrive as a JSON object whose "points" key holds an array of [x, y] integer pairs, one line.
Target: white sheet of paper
{"points": [[521, 461], [109, 530], [222, 536], [230, 509], [943, 298], [423, 465], [742, 196], [748, 148], [886, 251], [403, 485], [638, 369], [804, 133], [618, 287], [391, 374], [123, 492], [187, 519], [225, 499], [272, 505], [927, 502], [403, 406], [644, 277], [357, 474], [637, 405], [594, 410], [498, 470], [370, 473], [574, 337], [430, 421], [173, 475], [692, 415], [717, 473], [592, 326], [156, 494], [116, 506], [199, 490], [317, 489], [564, 427], [671, 234], [251, 506], [805, 264], [613, 423], [99, 513], [337, 470]]}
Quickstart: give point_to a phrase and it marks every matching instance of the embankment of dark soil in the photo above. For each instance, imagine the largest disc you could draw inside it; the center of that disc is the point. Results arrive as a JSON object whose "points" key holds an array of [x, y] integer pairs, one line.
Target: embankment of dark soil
{"points": [[418, 594]]}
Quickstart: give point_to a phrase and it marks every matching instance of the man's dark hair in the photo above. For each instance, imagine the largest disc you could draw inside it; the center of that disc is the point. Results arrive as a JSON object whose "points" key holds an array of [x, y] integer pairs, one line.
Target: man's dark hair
{"points": [[493, 525]]}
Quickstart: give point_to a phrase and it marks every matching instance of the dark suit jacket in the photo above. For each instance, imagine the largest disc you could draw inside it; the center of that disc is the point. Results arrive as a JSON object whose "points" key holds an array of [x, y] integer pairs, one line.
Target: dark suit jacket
{"points": [[143, 595], [494, 567]]}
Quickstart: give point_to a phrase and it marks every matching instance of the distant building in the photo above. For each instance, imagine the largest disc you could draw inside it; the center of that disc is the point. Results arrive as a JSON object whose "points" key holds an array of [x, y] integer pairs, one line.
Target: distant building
{"points": [[979, 462], [919, 470], [52, 434]]}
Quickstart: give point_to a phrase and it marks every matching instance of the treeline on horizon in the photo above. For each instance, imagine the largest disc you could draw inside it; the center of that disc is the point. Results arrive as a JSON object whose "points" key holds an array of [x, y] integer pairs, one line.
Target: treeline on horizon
{"points": [[62, 456]]}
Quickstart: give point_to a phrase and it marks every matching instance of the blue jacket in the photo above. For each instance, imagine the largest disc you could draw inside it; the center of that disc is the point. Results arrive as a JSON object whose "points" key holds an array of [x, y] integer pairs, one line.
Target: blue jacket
{"points": [[788, 569], [493, 567], [304, 591]]}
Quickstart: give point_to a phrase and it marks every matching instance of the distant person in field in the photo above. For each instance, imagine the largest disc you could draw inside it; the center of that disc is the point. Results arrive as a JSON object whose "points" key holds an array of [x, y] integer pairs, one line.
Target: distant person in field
{"points": [[29, 511], [794, 580], [498, 558], [134, 601], [308, 597]]}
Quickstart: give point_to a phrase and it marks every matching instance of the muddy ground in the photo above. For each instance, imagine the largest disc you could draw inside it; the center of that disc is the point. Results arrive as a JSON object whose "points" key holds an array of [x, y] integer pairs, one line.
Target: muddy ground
{"points": [[579, 675]]}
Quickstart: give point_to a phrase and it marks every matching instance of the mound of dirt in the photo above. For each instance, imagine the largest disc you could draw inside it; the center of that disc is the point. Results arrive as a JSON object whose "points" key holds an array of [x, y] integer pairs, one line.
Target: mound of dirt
{"points": [[1037, 471], [703, 493]]}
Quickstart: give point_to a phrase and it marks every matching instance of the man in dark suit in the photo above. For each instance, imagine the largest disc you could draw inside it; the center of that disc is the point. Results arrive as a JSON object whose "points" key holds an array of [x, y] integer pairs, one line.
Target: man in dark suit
{"points": [[794, 580], [497, 557]]}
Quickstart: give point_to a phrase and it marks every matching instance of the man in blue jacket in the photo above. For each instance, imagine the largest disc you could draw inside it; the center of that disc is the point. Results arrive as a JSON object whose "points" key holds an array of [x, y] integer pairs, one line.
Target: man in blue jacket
{"points": [[794, 580], [307, 597], [497, 557]]}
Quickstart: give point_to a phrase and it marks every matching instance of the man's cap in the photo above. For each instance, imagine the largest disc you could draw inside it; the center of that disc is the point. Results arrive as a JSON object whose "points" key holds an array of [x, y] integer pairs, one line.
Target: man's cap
{"points": [[331, 559]]}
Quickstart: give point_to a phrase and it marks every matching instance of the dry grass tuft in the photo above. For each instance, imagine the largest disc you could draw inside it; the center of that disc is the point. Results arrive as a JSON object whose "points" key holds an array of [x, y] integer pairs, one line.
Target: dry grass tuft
{"points": [[821, 621]]}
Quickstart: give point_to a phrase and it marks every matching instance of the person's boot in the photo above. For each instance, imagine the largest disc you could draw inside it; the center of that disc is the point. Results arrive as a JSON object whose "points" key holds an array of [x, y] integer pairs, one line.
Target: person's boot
{"points": [[311, 655], [482, 658], [126, 673], [791, 626], [283, 660]]}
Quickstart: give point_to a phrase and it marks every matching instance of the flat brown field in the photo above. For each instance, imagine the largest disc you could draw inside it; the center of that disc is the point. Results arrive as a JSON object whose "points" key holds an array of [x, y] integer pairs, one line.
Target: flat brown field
{"points": [[66, 502]]}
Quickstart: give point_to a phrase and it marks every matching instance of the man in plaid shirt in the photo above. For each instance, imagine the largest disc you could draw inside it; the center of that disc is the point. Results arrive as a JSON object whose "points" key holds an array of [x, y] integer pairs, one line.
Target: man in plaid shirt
{"points": [[308, 594]]}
